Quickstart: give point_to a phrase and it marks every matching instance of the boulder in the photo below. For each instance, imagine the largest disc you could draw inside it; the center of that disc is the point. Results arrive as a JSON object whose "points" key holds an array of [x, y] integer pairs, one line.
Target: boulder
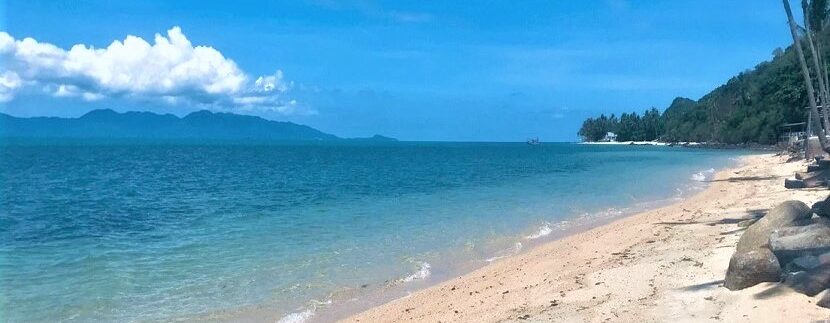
{"points": [[825, 299], [786, 214], [792, 242], [749, 268], [746, 223], [810, 282], [822, 208], [794, 183], [806, 262]]}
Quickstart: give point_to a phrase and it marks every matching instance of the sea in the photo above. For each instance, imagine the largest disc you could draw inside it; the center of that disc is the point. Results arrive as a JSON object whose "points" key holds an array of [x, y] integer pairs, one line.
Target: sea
{"points": [[148, 231]]}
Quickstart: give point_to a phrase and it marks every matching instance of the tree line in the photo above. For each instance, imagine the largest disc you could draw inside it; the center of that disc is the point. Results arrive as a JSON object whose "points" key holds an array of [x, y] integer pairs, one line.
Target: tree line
{"points": [[628, 127], [752, 106]]}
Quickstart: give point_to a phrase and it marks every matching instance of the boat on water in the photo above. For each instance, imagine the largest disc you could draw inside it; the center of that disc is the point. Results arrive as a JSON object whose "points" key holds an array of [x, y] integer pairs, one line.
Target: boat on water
{"points": [[534, 141]]}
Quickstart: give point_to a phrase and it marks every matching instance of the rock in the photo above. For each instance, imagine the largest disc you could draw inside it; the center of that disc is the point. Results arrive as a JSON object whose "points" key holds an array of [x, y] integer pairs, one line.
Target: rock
{"points": [[793, 242], [820, 220], [794, 183], [786, 214], [825, 299], [806, 262], [749, 268], [814, 179], [822, 208], [746, 223], [810, 282]]}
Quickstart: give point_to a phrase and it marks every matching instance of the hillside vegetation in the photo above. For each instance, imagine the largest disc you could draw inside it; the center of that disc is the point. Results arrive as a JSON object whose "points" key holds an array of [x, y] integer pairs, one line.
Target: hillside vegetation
{"points": [[749, 108]]}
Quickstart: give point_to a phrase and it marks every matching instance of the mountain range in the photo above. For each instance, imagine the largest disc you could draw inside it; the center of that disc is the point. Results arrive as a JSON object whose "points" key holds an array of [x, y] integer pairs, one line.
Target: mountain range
{"points": [[106, 123]]}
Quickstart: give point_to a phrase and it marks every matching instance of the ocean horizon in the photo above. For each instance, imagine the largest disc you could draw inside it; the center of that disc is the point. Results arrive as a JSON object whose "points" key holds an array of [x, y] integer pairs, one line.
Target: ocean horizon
{"points": [[170, 230]]}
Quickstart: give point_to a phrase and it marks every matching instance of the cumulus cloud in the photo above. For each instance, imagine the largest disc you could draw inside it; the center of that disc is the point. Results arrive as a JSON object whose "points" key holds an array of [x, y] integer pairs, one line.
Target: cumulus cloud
{"points": [[170, 70]]}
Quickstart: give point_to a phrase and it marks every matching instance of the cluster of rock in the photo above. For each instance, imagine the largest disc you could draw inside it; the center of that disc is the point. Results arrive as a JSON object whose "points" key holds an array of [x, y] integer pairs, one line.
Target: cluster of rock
{"points": [[817, 174], [790, 244]]}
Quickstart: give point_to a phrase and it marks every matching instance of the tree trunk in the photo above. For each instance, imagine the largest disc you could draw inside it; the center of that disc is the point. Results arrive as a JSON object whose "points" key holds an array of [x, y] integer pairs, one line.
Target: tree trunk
{"points": [[805, 72], [824, 93]]}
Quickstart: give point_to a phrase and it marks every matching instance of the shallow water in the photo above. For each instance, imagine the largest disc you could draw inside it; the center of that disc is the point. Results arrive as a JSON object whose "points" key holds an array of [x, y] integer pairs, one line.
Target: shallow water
{"points": [[141, 231]]}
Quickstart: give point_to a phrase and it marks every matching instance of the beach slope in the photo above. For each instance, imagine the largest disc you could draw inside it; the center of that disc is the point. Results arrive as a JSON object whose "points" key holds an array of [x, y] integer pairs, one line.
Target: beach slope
{"points": [[665, 265]]}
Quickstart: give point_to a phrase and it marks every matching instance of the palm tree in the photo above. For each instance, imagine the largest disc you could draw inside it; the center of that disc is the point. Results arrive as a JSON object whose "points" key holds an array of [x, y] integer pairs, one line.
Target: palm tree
{"points": [[824, 92], [805, 72]]}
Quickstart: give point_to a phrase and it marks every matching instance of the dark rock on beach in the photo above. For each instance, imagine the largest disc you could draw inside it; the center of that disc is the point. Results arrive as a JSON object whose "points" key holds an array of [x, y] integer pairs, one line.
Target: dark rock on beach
{"points": [[825, 300], [822, 208], [753, 261], [805, 263], [750, 268], [794, 242], [788, 213], [810, 282]]}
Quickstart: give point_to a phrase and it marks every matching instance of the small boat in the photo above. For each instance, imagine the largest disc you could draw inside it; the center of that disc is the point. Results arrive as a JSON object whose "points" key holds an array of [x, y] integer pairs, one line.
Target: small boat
{"points": [[533, 141]]}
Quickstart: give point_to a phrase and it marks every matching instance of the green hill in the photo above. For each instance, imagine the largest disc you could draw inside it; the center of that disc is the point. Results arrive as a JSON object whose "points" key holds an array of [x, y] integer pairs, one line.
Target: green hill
{"points": [[749, 108]]}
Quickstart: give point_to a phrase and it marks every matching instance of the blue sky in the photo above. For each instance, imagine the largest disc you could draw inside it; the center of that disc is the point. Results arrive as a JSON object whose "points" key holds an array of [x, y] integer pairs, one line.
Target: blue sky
{"points": [[415, 70]]}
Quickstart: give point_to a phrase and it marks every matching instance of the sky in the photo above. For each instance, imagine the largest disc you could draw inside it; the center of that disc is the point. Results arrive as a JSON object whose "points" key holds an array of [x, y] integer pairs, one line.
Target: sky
{"points": [[413, 70]]}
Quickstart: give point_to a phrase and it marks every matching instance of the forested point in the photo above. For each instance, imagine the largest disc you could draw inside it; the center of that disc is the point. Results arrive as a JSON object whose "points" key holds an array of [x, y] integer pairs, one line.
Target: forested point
{"points": [[749, 108]]}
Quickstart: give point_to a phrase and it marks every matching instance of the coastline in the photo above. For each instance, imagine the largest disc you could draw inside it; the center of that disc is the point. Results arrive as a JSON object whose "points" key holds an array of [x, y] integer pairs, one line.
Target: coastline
{"points": [[638, 143], [665, 264]]}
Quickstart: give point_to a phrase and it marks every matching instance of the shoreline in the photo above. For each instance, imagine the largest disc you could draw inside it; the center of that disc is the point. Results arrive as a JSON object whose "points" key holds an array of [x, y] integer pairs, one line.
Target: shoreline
{"points": [[347, 302], [672, 258], [686, 144], [350, 300]]}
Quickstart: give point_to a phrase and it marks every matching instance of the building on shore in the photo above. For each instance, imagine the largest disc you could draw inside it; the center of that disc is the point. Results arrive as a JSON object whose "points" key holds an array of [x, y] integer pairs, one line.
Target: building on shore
{"points": [[609, 137], [792, 133]]}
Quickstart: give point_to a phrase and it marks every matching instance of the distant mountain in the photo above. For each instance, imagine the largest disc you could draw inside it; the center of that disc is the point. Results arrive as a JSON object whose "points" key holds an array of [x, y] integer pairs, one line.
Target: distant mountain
{"points": [[203, 124], [375, 138]]}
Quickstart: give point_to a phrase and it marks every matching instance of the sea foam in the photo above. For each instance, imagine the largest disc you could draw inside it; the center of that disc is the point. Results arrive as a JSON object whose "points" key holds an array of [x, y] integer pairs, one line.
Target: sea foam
{"points": [[541, 232], [703, 176], [422, 273], [298, 317]]}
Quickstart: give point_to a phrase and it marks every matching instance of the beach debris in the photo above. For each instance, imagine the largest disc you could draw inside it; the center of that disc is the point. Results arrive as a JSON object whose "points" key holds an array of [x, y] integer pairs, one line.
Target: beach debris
{"points": [[750, 268]]}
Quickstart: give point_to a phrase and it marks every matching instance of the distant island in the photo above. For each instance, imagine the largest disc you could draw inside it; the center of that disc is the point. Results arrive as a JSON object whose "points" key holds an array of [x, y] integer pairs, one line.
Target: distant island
{"points": [[106, 123]]}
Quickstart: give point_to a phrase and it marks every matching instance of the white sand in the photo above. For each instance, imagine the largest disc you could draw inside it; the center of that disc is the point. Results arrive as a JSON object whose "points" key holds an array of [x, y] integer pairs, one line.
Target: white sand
{"points": [[665, 265]]}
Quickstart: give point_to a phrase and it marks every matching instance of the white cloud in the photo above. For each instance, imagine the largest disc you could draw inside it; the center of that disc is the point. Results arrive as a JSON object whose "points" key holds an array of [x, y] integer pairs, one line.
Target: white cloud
{"points": [[9, 82], [170, 70]]}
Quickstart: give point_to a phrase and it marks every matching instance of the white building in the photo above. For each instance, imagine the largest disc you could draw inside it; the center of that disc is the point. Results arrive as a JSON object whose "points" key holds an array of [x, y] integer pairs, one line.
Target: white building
{"points": [[609, 137]]}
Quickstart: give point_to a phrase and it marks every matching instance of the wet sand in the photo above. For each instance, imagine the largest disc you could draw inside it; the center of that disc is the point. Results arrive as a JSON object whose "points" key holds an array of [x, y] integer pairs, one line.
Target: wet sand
{"points": [[662, 265]]}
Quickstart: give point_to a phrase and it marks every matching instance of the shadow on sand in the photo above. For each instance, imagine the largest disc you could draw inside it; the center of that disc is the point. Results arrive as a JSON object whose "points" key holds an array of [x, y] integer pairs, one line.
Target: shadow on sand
{"points": [[746, 179]]}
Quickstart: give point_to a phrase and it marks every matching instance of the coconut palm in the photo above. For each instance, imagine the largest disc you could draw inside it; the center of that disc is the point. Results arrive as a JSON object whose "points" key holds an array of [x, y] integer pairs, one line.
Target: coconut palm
{"points": [[805, 72], [824, 92]]}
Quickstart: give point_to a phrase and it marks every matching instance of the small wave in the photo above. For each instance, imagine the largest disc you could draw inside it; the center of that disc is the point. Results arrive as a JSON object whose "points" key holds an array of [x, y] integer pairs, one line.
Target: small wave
{"points": [[703, 176], [504, 254], [422, 273], [543, 231], [492, 259], [298, 317]]}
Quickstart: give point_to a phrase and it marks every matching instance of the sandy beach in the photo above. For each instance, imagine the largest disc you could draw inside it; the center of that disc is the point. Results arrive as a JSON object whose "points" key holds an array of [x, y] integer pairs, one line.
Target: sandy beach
{"points": [[664, 265]]}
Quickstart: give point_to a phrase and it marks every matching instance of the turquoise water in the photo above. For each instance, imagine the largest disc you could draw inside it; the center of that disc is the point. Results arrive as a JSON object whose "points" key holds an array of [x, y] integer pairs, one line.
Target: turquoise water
{"points": [[122, 231]]}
